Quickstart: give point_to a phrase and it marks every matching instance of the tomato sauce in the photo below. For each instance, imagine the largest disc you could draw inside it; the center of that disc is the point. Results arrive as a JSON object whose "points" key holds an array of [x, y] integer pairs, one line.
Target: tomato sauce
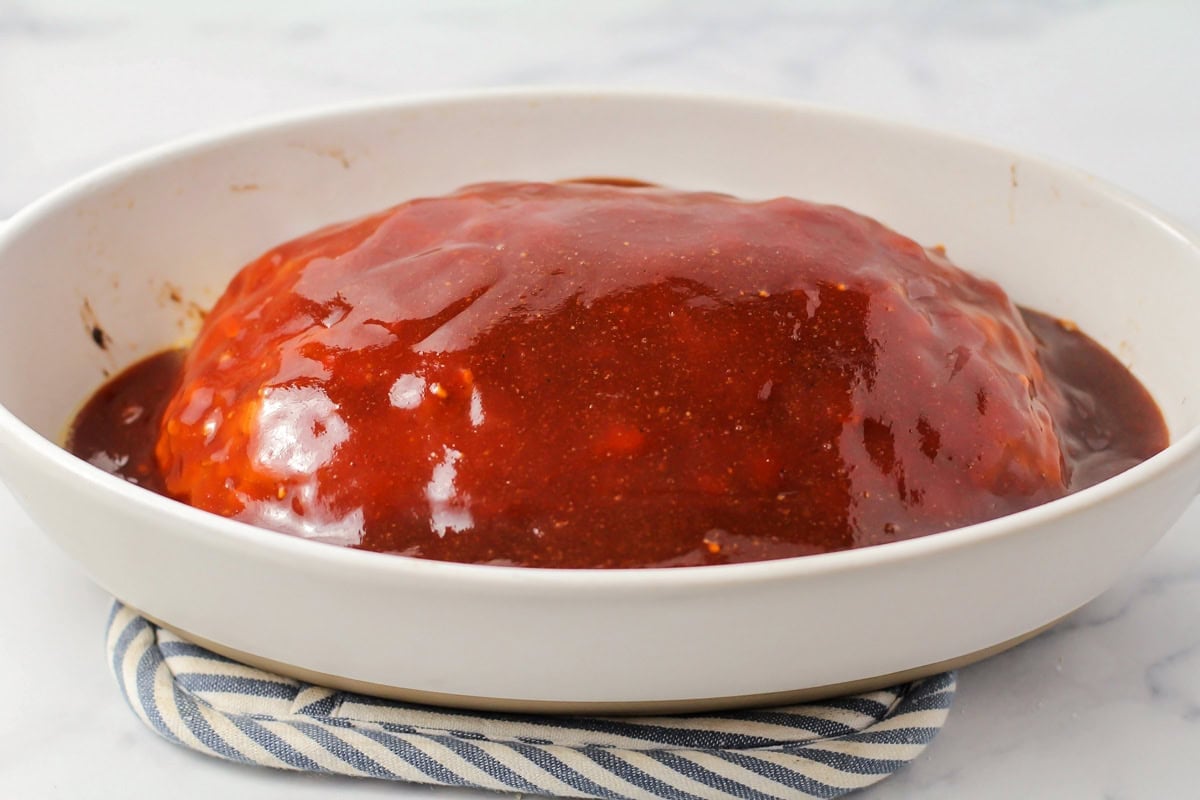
{"points": [[589, 375]]}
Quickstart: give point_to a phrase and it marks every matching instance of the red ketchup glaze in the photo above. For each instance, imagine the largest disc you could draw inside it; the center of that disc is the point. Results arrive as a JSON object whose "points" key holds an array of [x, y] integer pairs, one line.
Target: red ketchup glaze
{"points": [[588, 375]]}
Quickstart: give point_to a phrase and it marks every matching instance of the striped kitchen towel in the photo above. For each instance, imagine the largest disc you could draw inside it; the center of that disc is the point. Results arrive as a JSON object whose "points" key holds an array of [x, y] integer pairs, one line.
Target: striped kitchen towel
{"points": [[209, 703]]}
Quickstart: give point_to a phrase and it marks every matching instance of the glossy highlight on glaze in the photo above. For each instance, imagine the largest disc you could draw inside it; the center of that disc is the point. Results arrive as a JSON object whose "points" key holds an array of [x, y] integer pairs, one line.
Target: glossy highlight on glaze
{"points": [[593, 375]]}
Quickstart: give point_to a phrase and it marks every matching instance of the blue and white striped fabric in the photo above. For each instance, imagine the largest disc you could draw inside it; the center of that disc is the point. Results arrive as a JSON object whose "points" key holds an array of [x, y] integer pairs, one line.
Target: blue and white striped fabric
{"points": [[209, 703]]}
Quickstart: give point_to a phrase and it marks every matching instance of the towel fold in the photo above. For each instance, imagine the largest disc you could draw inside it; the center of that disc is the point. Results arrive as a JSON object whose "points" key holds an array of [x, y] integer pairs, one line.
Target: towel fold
{"points": [[220, 707]]}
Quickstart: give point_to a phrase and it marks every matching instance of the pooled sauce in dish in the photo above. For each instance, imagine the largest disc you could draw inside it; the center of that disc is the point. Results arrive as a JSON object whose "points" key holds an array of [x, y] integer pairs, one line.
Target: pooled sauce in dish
{"points": [[591, 375]]}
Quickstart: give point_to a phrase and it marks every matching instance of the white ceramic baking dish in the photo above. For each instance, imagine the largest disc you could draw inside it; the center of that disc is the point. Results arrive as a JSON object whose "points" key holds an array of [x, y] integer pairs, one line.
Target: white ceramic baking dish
{"points": [[136, 247]]}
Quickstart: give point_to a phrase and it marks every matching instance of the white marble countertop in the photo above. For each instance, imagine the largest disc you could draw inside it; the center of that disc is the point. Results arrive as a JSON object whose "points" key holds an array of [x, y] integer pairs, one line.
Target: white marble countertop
{"points": [[1105, 705]]}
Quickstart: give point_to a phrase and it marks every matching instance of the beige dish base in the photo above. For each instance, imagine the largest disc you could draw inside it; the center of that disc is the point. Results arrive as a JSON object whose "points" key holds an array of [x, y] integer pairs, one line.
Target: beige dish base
{"points": [[639, 707]]}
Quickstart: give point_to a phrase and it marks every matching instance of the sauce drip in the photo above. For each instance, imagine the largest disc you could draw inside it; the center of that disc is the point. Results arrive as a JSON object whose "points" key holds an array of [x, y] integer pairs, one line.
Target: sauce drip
{"points": [[590, 375]]}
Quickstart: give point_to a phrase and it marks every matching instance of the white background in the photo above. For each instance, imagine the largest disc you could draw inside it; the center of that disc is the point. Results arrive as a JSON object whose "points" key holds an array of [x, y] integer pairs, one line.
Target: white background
{"points": [[1105, 705]]}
